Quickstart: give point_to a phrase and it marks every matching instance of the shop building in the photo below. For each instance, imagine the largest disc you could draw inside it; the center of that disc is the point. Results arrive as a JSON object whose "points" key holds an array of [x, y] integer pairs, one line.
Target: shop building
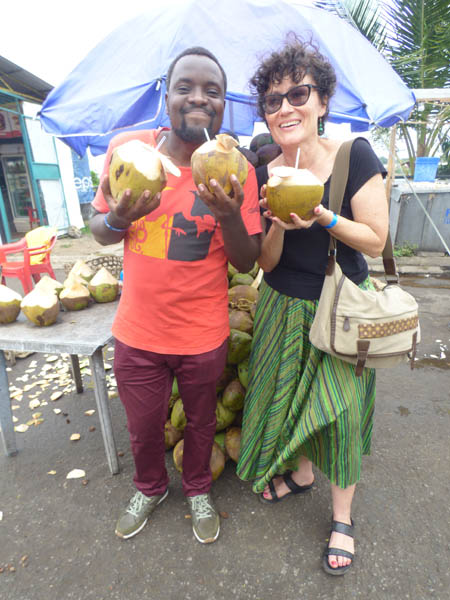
{"points": [[37, 183]]}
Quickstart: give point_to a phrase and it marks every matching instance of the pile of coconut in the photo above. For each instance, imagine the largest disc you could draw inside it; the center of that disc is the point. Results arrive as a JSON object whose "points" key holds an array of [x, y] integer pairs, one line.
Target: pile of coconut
{"points": [[42, 305], [242, 297]]}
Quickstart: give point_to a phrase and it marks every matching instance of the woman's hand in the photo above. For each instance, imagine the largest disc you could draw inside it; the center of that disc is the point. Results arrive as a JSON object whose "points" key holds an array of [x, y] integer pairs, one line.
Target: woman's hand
{"points": [[297, 222], [123, 213]]}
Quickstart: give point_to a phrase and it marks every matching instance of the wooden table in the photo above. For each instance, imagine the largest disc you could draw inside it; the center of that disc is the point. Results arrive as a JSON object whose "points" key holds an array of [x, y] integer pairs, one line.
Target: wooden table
{"points": [[83, 332]]}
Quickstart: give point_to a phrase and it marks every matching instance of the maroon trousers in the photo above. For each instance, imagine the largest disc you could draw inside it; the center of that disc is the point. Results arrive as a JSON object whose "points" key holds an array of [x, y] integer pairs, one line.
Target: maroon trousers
{"points": [[144, 381]]}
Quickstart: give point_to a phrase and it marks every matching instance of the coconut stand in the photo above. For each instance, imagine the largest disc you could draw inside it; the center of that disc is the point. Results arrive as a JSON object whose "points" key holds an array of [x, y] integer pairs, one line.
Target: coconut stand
{"points": [[73, 334]]}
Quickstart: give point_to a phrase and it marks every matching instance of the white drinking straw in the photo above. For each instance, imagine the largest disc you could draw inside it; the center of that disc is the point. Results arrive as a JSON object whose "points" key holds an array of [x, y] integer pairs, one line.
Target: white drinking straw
{"points": [[206, 134], [298, 156], [161, 142]]}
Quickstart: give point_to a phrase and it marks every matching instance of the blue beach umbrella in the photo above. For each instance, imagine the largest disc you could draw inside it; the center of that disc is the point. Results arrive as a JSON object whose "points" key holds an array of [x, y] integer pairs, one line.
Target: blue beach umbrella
{"points": [[121, 82]]}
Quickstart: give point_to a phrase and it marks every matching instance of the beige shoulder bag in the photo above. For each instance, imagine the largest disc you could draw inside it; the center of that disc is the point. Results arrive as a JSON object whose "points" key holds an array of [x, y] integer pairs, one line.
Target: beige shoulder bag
{"points": [[365, 327]]}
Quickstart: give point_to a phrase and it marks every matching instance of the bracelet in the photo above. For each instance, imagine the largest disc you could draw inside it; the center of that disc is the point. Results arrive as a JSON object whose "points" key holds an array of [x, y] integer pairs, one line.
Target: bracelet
{"points": [[111, 227], [332, 223]]}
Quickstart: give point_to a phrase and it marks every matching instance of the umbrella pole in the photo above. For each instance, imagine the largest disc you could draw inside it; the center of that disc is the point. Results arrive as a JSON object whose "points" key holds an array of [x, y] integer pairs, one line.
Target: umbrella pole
{"points": [[391, 165]]}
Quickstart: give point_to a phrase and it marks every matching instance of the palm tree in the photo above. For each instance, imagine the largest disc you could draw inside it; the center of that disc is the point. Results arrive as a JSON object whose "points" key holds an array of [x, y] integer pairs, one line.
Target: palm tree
{"points": [[419, 50], [414, 36]]}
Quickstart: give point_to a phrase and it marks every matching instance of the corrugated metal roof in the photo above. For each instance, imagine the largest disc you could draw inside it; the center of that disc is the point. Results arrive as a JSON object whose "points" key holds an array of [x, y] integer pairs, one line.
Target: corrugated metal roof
{"points": [[15, 79]]}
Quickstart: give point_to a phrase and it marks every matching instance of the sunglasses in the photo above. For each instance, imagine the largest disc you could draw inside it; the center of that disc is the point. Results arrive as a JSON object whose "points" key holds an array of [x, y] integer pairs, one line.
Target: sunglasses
{"points": [[296, 96]]}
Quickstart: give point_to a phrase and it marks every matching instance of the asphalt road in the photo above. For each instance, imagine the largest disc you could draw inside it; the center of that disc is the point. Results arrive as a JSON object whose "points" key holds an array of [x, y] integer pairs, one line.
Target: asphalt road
{"points": [[57, 537]]}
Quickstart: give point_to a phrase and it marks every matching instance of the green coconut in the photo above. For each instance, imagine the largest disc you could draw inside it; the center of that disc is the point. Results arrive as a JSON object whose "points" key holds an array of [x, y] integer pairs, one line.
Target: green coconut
{"points": [[233, 395], [292, 190], [139, 167], [254, 271], [243, 372], [231, 271], [75, 297], [239, 345], [233, 442], [48, 284], [229, 373], [241, 279], [219, 438], [177, 417], [82, 269], [241, 320], [172, 435], [71, 279], [224, 416], [216, 462], [242, 297], [218, 159], [9, 304], [41, 308], [104, 287]]}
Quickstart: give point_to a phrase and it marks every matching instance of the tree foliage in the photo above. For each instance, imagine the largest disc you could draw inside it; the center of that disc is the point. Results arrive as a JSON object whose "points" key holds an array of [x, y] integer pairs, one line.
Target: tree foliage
{"points": [[414, 36]]}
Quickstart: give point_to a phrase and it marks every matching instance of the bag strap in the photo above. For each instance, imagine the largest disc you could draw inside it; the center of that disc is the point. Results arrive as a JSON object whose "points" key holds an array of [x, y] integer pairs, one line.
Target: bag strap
{"points": [[339, 178]]}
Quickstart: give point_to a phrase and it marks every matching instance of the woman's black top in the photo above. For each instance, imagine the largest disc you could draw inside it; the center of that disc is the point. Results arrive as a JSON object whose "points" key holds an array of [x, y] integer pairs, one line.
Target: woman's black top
{"points": [[301, 269]]}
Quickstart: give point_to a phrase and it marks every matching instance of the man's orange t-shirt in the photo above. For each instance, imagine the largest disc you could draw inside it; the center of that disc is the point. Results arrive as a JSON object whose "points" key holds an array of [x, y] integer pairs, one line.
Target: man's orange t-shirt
{"points": [[175, 290]]}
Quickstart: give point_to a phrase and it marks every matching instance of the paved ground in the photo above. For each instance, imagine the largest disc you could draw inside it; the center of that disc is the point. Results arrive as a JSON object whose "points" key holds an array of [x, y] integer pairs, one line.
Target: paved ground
{"points": [[57, 539]]}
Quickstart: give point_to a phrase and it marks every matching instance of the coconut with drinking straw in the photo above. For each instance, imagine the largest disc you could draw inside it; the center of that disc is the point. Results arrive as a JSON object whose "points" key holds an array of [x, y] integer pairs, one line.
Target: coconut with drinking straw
{"points": [[218, 159], [293, 190]]}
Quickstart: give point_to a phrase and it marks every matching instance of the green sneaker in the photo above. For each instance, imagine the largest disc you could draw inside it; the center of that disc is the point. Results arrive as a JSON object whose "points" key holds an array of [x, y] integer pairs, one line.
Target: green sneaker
{"points": [[205, 519], [136, 514]]}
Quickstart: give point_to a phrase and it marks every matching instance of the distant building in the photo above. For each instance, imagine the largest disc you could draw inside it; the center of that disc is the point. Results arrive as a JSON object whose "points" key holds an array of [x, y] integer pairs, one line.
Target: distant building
{"points": [[37, 181]]}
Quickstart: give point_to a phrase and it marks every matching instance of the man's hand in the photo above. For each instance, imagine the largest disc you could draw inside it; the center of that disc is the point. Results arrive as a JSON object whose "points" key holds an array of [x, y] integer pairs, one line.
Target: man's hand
{"points": [[221, 205], [123, 213], [241, 249]]}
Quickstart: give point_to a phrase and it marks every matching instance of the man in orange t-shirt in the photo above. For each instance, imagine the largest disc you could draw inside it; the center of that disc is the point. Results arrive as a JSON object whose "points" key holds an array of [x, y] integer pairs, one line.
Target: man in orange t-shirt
{"points": [[172, 318]]}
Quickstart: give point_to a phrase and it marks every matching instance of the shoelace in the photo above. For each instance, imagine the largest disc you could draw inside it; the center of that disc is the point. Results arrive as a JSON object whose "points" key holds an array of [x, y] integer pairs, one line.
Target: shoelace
{"points": [[136, 504], [202, 507]]}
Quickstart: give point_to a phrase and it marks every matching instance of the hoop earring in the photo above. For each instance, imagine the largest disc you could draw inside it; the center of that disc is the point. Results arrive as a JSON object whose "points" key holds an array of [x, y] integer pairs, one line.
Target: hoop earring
{"points": [[320, 126]]}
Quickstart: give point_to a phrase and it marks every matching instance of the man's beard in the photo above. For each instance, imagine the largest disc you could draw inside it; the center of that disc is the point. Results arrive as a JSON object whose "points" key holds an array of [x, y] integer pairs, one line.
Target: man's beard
{"points": [[194, 134]]}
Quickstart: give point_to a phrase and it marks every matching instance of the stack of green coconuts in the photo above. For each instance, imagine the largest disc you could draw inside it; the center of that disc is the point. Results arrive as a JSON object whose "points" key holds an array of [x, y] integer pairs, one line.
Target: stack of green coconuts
{"points": [[242, 298]]}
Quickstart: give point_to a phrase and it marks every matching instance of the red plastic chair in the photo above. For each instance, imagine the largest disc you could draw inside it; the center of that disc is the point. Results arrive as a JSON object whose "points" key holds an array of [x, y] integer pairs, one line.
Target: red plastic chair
{"points": [[24, 269], [33, 216]]}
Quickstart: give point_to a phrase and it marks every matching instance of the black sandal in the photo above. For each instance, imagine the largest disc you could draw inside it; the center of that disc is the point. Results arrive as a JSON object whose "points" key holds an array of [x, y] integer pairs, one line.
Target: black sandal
{"points": [[293, 487], [346, 530]]}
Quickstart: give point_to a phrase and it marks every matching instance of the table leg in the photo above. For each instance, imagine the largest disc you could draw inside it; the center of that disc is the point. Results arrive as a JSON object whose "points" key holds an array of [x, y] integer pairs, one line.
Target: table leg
{"points": [[6, 422], [76, 374], [101, 397]]}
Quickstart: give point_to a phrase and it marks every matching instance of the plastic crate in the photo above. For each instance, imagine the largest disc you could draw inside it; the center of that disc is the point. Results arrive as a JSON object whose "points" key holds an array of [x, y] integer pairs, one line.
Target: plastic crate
{"points": [[426, 167]]}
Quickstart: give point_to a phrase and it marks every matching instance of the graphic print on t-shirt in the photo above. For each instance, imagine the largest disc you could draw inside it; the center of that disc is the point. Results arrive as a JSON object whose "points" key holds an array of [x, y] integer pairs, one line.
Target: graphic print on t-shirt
{"points": [[185, 235]]}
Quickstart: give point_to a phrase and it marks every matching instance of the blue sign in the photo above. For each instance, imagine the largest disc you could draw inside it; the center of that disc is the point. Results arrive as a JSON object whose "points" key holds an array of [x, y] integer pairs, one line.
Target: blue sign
{"points": [[447, 217], [82, 178]]}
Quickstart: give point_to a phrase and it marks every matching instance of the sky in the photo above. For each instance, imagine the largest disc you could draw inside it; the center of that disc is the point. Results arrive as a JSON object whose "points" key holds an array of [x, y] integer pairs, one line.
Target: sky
{"points": [[50, 38]]}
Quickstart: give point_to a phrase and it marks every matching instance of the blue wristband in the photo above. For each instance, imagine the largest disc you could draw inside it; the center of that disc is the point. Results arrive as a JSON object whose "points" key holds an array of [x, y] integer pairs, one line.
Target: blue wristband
{"points": [[111, 227], [332, 223]]}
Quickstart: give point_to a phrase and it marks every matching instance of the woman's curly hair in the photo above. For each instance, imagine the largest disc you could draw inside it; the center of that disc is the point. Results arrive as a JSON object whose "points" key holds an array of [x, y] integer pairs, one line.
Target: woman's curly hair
{"points": [[295, 60]]}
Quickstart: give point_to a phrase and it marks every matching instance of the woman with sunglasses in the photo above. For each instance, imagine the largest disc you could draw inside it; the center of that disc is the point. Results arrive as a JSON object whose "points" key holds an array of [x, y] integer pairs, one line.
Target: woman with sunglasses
{"points": [[304, 407]]}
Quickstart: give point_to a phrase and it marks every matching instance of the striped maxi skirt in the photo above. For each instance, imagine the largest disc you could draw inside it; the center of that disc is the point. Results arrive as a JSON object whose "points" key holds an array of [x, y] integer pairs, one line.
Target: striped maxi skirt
{"points": [[300, 400]]}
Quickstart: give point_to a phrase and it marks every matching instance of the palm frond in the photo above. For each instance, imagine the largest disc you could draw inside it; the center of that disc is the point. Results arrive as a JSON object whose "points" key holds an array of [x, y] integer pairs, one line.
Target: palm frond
{"points": [[364, 15], [418, 36]]}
